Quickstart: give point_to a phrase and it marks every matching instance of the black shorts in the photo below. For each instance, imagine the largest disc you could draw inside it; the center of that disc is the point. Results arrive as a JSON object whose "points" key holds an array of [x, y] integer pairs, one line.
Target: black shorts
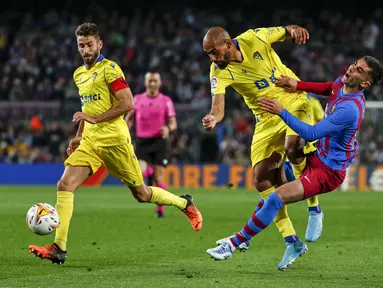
{"points": [[153, 150]]}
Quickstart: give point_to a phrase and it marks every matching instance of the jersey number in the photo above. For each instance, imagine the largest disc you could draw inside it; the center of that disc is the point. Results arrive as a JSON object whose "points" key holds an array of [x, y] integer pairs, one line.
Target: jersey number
{"points": [[263, 83]]}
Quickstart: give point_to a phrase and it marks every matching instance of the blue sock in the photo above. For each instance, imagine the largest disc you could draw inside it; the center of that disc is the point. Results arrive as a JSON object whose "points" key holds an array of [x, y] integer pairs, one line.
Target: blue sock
{"points": [[315, 209], [291, 239], [259, 220], [289, 171], [259, 205]]}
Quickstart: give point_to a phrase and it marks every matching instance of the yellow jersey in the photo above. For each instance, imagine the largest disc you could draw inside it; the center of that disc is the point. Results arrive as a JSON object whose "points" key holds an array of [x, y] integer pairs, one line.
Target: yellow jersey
{"points": [[318, 111], [97, 97], [255, 76]]}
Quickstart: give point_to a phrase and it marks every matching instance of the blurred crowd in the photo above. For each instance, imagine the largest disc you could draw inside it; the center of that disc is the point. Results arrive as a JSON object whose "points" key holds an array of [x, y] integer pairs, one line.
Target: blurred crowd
{"points": [[38, 55]]}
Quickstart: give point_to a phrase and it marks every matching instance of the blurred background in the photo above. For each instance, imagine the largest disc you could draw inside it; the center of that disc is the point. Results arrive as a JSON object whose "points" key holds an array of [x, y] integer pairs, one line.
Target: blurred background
{"points": [[38, 55]]}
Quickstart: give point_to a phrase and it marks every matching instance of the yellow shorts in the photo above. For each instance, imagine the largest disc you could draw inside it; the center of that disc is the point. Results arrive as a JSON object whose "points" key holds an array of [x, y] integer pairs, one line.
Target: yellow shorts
{"points": [[270, 132], [119, 160]]}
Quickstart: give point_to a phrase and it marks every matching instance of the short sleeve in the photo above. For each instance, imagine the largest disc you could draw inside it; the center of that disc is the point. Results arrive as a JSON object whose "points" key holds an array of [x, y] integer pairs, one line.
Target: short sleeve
{"points": [[271, 34], [113, 72], [219, 80], [170, 111]]}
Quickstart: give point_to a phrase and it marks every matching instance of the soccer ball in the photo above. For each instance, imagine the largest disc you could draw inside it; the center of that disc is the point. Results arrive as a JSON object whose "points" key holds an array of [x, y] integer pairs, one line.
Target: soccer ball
{"points": [[42, 219]]}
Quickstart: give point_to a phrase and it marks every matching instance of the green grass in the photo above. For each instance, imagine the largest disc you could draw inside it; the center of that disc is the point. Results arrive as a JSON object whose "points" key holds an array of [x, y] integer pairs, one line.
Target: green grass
{"points": [[116, 242]]}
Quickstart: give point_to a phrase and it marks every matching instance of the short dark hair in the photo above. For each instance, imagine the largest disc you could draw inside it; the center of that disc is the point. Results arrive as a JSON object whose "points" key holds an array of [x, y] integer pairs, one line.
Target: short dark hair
{"points": [[376, 67], [88, 29]]}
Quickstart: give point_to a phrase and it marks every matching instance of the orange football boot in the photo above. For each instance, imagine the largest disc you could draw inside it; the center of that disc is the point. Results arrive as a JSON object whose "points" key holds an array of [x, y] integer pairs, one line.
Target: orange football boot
{"points": [[51, 252], [192, 213]]}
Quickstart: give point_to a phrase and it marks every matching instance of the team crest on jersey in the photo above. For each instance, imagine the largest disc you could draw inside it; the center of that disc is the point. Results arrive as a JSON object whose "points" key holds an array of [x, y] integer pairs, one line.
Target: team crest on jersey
{"points": [[94, 76], [244, 71], [214, 83], [112, 65], [257, 55]]}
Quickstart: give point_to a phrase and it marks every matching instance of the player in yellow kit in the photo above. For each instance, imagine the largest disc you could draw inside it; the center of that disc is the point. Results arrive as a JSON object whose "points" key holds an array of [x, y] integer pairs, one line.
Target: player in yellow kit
{"points": [[250, 65], [103, 139]]}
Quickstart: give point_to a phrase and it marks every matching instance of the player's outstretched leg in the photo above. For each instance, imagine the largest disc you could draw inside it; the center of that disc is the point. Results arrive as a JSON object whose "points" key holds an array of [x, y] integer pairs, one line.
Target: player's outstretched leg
{"points": [[71, 179], [263, 177], [315, 223], [264, 181], [158, 195], [259, 221], [295, 148], [245, 245]]}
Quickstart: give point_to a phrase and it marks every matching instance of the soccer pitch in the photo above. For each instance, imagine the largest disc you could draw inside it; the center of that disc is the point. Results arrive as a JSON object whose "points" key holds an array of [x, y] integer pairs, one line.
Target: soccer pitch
{"points": [[116, 242]]}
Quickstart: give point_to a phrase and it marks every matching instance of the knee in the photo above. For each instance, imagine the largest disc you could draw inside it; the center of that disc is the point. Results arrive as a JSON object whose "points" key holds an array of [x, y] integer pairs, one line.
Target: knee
{"points": [[66, 184], [291, 149], [260, 182], [257, 180], [142, 193], [277, 199], [294, 149]]}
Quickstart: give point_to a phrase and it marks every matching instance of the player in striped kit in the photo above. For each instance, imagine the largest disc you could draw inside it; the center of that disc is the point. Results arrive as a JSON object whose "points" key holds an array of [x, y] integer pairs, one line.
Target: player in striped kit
{"points": [[336, 146]]}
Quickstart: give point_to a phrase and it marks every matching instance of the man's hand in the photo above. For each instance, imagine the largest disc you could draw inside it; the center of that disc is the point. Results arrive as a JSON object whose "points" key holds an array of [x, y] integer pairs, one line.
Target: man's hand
{"points": [[272, 106], [300, 34], [165, 132], [78, 116], [209, 122], [287, 83], [73, 144]]}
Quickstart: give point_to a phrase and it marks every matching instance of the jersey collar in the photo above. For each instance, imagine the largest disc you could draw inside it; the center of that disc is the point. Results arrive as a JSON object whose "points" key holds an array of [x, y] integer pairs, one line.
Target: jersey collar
{"points": [[239, 49], [236, 43], [342, 94], [99, 59]]}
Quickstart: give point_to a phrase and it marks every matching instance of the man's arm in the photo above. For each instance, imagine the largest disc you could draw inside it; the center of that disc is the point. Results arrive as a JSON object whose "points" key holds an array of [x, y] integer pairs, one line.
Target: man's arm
{"points": [[171, 115], [321, 88], [115, 79], [289, 29], [80, 129], [217, 112], [124, 105], [279, 34], [218, 107], [172, 124], [129, 119], [338, 120], [75, 142], [293, 85]]}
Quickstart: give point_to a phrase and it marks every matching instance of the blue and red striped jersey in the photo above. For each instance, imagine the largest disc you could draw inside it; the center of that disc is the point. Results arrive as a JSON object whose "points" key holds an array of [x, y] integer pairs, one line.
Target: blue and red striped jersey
{"points": [[337, 146]]}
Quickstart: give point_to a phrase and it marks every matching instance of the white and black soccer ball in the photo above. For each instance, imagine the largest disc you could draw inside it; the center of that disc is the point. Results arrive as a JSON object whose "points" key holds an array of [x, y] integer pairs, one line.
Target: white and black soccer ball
{"points": [[42, 219]]}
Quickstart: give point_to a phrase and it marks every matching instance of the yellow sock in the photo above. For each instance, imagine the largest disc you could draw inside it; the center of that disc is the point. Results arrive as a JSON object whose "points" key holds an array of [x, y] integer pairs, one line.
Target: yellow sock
{"points": [[313, 201], [163, 197], [282, 219], [64, 207], [297, 169]]}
